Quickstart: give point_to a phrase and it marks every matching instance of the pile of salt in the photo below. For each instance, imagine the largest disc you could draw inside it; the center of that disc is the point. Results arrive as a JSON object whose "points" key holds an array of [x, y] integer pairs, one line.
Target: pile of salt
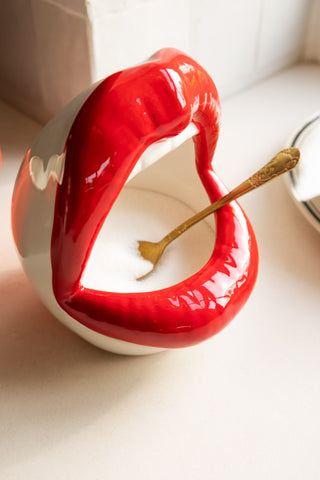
{"points": [[138, 214]]}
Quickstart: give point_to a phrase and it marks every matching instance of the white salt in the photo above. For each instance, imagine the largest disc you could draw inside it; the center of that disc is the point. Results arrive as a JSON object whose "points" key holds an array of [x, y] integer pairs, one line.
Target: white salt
{"points": [[115, 262]]}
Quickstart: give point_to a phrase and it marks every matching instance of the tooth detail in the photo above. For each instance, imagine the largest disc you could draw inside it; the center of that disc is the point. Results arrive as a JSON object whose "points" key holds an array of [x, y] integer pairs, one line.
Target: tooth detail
{"points": [[40, 176], [159, 149]]}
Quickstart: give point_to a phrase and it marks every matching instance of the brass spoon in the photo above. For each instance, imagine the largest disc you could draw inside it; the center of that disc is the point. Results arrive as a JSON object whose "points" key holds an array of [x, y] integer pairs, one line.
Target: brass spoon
{"points": [[281, 163]]}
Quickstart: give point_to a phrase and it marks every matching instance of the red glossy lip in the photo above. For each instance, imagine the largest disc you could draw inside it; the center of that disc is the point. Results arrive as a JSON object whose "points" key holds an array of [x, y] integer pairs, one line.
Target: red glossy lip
{"points": [[124, 115]]}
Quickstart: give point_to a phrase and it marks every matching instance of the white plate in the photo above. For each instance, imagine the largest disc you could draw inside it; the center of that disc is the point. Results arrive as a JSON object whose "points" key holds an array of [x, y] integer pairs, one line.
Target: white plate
{"points": [[304, 180]]}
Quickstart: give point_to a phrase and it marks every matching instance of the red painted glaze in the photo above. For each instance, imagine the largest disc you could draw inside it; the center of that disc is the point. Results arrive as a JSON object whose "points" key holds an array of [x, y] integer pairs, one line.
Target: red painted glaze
{"points": [[125, 114]]}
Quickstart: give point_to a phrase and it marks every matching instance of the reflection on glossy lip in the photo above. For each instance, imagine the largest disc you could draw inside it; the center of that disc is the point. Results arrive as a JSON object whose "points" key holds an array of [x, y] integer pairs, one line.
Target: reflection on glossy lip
{"points": [[110, 133]]}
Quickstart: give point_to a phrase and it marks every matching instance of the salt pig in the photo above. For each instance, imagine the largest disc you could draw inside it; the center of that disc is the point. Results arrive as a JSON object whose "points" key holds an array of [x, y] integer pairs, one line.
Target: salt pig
{"points": [[72, 175]]}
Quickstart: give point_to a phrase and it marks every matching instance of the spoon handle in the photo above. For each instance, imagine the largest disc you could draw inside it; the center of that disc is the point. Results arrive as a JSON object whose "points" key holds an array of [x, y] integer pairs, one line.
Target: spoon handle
{"points": [[281, 163]]}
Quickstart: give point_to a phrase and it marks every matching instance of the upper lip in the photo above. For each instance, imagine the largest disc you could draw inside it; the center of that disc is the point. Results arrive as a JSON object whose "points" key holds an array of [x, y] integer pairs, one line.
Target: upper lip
{"points": [[125, 114]]}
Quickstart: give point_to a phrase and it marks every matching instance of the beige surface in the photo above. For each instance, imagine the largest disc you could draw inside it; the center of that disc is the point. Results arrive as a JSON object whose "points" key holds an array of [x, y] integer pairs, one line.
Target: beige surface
{"points": [[242, 405]]}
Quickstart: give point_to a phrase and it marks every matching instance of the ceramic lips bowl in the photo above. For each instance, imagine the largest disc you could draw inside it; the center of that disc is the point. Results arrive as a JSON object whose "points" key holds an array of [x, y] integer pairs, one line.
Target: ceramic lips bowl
{"points": [[111, 157]]}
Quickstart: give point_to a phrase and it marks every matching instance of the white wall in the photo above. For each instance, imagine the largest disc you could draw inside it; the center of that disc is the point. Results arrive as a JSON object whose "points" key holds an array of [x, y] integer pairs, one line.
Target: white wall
{"points": [[52, 49], [238, 41], [244, 41], [44, 54], [312, 44]]}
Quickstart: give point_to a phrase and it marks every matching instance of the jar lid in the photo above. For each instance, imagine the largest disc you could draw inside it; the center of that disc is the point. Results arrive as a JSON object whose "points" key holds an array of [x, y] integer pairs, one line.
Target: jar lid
{"points": [[304, 180]]}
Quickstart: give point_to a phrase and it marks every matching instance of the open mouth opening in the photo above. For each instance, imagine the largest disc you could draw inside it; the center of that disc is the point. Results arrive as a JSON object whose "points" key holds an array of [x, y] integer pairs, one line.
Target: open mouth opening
{"points": [[159, 195]]}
